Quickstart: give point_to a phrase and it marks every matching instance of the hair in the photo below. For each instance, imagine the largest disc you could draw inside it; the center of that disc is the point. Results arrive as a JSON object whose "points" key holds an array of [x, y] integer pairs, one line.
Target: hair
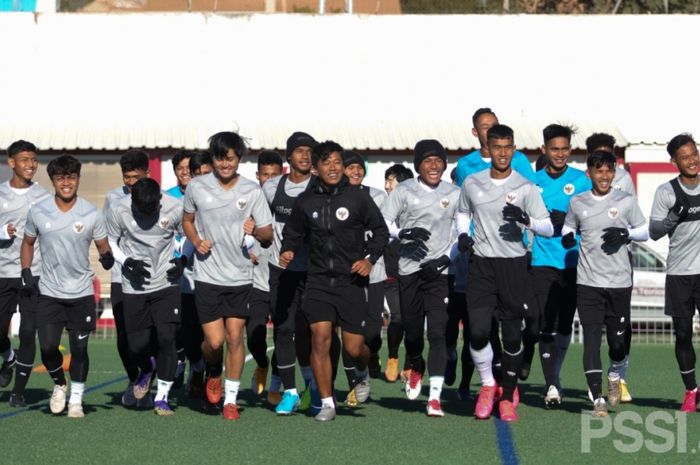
{"points": [[324, 150], [269, 157], [541, 162], [197, 159], [557, 130], [453, 174], [400, 172], [19, 146], [181, 155], [63, 165], [500, 131], [677, 142], [599, 159], [221, 142], [145, 196], [479, 112], [599, 139], [134, 160]]}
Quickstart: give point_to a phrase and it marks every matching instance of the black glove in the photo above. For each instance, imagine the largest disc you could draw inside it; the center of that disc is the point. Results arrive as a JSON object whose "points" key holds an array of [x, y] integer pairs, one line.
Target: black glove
{"points": [[29, 285], [515, 213], [137, 269], [615, 237], [107, 260], [414, 250], [414, 234], [680, 208], [568, 240], [557, 217], [432, 269], [179, 264], [465, 243]]}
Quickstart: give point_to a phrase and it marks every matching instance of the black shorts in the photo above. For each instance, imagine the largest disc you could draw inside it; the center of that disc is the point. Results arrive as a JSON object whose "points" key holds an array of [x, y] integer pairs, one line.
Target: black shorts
{"points": [[500, 285], [259, 303], [189, 316], [344, 306], [420, 297], [144, 311], [375, 304], [556, 297], [74, 314], [9, 297], [682, 295], [215, 302], [596, 304]]}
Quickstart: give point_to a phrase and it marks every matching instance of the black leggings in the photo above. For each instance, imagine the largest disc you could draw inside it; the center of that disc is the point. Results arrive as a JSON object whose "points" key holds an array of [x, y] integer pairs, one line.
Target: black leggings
{"points": [[51, 357], [140, 344], [592, 339], [129, 364], [373, 326], [685, 354]]}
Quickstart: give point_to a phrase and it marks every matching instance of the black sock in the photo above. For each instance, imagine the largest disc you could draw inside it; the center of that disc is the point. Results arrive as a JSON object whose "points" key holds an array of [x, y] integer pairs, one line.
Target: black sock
{"points": [[394, 334], [22, 373], [214, 370], [549, 353], [595, 383]]}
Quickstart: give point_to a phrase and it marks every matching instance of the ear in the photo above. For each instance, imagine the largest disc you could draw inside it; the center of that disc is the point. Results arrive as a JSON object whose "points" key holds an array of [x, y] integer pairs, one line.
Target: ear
{"points": [[588, 173], [475, 133], [11, 162], [673, 162], [148, 173], [542, 150], [257, 175]]}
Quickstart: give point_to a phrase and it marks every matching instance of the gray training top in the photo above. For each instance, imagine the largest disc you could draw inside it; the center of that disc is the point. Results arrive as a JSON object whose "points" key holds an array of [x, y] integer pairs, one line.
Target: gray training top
{"points": [[484, 199], [378, 273], [591, 214], [13, 210], [64, 238], [220, 214], [684, 242], [623, 181], [113, 198], [411, 205], [152, 242]]}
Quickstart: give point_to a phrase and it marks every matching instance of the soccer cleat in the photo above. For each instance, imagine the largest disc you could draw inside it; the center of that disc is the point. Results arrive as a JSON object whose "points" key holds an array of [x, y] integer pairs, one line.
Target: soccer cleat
{"points": [[128, 399], [625, 396], [213, 389], [600, 408], [17, 400], [507, 412], [274, 397], [405, 374], [516, 395], [524, 372], [327, 413], [451, 369], [57, 403], [690, 403], [142, 385], [434, 409], [162, 408], [414, 385], [374, 366], [392, 370], [362, 390], [6, 371], [231, 412], [288, 404], [613, 391], [259, 380], [485, 401], [552, 398], [75, 410], [463, 394], [351, 399], [146, 403], [305, 401], [195, 385]]}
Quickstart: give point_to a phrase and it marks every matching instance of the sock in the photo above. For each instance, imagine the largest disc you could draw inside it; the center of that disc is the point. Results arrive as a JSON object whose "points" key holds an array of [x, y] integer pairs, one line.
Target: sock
{"points": [[361, 374], [563, 341], [22, 371], [275, 383], [688, 378], [215, 370], [327, 401], [624, 367], [292, 391], [180, 368], [351, 375], [76, 393], [198, 365], [452, 354], [57, 375], [307, 374], [482, 361], [615, 370], [163, 390], [8, 355], [435, 387], [595, 383], [231, 390], [509, 375]]}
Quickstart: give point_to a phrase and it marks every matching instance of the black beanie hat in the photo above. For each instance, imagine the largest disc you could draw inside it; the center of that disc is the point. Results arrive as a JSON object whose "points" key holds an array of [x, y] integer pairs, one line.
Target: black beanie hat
{"points": [[350, 157], [428, 148], [299, 139]]}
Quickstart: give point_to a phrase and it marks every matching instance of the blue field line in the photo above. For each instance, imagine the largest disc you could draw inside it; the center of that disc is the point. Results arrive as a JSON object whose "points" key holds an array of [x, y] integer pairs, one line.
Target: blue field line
{"points": [[505, 443], [39, 405]]}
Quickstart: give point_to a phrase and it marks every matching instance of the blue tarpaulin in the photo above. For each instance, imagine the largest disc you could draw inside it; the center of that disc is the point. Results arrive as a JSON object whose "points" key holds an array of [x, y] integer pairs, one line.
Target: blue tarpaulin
{"points": [[17, 5]]}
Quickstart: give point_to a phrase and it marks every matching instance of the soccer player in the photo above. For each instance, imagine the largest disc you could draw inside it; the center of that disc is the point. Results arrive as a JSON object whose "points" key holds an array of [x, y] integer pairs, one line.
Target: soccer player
{"points": [[335, 215], [200, 164], [500, 203], [64, 226], [17, 196], [394, 175], [607, 219], [134, 166], [141, 231], [216, 209], [292, 338], [676, 213], [181, 167], [553, 266], [424, 210]]}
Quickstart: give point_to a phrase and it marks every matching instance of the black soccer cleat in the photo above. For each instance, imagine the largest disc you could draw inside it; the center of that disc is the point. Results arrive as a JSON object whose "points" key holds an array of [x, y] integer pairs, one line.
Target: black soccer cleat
{"points": [[6, 371], [17, 401], [524, 371]]}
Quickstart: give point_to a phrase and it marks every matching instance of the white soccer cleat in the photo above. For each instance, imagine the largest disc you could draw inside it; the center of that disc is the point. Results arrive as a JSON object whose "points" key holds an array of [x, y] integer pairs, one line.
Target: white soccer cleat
{"points": [[57, 403]]}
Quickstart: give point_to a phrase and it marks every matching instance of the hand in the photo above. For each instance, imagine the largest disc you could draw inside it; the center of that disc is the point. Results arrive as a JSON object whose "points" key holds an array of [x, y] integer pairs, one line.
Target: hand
{"points": [[137, 269], [29, 285], [615, 237], [514, 213], [414, 234], [203, 247], [414, 250], [557, 217], [286, 258], [465, 243], [362, 267], [680, 208], [11, 230], [568, 240], [178, 268], [107, 260], [432, 269], [249, 226], [253, 258]]}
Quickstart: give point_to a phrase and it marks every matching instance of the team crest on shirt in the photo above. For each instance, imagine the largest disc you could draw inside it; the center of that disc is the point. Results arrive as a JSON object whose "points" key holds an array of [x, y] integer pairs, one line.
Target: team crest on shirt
{"points": [[569, 189], [511, 197], [613, 213], [88, 319], [241, 203], [4, 205], [163, 222], [314, 215], [78, 227], [444, 203], [47, 225], [617, 186], [342, 213]]}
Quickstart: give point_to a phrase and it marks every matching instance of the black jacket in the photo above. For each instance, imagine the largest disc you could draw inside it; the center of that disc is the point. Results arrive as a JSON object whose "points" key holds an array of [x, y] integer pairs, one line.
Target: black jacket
{"points": [[335, 220]]}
